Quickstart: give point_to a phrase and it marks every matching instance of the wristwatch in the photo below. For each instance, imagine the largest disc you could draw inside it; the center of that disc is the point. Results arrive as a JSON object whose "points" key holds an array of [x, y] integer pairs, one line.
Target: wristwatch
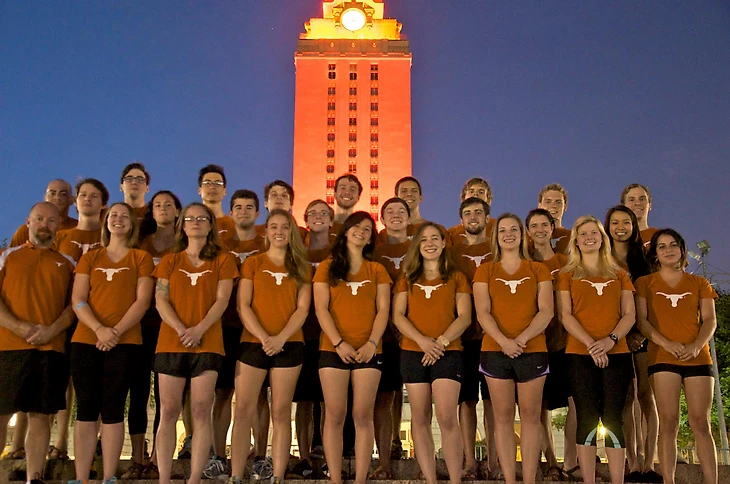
{"points": [[443, 341], [614, 338]]}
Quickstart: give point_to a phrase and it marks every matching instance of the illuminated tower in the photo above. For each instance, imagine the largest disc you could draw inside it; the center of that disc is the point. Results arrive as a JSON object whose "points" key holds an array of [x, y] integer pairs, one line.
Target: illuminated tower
{"points": [[352, 110]]}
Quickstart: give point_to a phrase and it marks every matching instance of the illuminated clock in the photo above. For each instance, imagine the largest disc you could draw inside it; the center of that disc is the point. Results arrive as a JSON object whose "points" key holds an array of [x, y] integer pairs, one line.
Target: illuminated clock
{"points": [[353, 19]]}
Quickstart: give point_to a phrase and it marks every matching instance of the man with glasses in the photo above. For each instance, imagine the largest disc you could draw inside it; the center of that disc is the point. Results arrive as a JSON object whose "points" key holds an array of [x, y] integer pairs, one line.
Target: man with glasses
{"points": [[134, 184], [59, 193], [212, 189]]}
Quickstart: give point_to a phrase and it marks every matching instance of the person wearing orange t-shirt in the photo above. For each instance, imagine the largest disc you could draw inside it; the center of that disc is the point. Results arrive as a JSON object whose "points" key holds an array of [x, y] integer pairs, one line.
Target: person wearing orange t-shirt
{"points": [[112, 291], [352, 300], [596, 306], [212, 189], [556, 393], [60, 194], [513, 296], [669, 305], [35, 282], [193, 289], [477, 188], [554, 199], [347, 193], [431, 308], [134, 184], [638, 198], [273, 301]]}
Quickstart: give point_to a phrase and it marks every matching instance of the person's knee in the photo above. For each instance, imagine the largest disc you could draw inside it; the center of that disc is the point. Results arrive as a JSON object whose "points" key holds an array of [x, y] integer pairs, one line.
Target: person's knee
{"points": [[281, 413], [170, 410], [336, 415], [530, 414], [200, 410], [362, 417], [446, 419], [700, 424]]}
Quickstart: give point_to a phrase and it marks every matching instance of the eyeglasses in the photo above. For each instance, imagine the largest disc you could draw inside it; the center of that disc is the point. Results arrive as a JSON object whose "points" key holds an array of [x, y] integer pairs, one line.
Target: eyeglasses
{"points": [[213, 183], [135, 179], [199, 218], [314, 213]]}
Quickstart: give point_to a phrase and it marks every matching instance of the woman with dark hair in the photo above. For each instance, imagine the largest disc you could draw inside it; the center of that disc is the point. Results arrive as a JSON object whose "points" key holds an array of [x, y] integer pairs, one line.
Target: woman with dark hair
{"points": [[352, 300], [193, 288], [111, 293], [627, 248], [513, 296], [273, 301], [676, 312], [432, 308]]}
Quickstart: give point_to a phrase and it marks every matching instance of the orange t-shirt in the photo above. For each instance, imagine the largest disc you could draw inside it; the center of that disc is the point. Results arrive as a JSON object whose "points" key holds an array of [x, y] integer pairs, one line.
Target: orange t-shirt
{"points": [[274, 296], [112, 290], [646, 235], [457, 233], [468, 259], [556, 337], [77, 242], [514, 300], [675, 313], [226, 228], [192, 294], [311, 328], [392, 257], [382, 237], [140, 212], [560, 241], [35, 285], [353, 303], [241, 249], [596, 305], [152, 317], [21, 235], [432, 306]]}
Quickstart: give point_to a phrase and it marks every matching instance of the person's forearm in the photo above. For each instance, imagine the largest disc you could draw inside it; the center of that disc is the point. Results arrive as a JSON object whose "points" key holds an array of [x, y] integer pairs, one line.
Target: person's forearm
{"points": [[132, 317], [63, 321], [214, 314], [537, 325], [295, 323], [169, 316]]}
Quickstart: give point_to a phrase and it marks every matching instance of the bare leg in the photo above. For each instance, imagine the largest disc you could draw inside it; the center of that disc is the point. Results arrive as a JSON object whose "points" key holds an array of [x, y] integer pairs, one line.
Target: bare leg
{"points": [[112, 441], [630, 430], [699, 394], [248, 384], [221, 419], [304, 423], [202, 389], [335, 383], [364, 391], [384, 427], [648, 410], [36, 444], [503, 402], [529, 395], [283, 384], [419, 396], [261, 424], [84, 446], [468, 425], [171, 397], [19, 432], [62, 419], [446, 401], [570, 455]]}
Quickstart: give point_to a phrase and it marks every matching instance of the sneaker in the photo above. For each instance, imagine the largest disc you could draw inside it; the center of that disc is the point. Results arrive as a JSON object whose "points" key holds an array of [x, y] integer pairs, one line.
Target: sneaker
{"points": [[300, 471], [262, 469], [74, 481], [134, 472], [234, 480], [150, 472], [184, 452], [317, 453], [277, 480], [217, 467], [113, 480]]}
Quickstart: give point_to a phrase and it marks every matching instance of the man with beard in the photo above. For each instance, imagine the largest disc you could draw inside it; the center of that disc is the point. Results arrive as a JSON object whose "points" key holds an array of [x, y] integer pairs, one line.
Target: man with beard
{"points": [[35, 281], [347, 193], [474, 187], [554, 199], [59, 193]]}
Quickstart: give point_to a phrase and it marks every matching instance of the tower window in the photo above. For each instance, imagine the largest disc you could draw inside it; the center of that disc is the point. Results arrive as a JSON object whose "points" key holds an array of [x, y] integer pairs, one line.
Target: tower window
{"points": [[330, 121], [331, 184], [374, 137], [374, 200], [330, 136], [330, 106], [373, 168], [353, 121], [330, 168], [352, 153], [373, 153], [373, 184], [373, 121], [332, 75], [331, 91], [353, 67], [373, 106], [353, 106], [373, 68], [353, 168], [330, 153], [330, 67], [373, 91], [330, 199], [353, 76], [353, 137], [353, 91], [373, 76]]}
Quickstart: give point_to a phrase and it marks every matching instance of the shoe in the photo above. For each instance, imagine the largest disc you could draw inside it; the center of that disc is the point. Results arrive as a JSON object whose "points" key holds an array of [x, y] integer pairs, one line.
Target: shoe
{"points": [[184, 452], [300, 471], [652, 476], [150, 472], [317, 453], [17, 455], [326, 472], [262, 469], [234, 480], [134, 472], [277, 480], [217, 467], [75, 481], [634, 476], [113, 480], [396, 450]]}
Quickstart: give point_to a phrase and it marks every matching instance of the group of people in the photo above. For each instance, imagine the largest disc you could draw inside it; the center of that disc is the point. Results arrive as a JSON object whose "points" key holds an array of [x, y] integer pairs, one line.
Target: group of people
{"points": [[339, 316]]}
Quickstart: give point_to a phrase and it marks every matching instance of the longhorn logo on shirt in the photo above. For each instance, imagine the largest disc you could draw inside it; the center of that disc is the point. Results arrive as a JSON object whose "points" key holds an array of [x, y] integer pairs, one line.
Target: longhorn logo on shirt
{"points": [[675, 298], [477, 259], [354, 286], [279, 276], [513, 284], [111, 272], [156, 260], [244, 255], [428, 289], [59, 264], [314, 265], [554, 242], [598, 286], [554, 271], [85, 247], [395, 260], [222, 231], [194, 275]]}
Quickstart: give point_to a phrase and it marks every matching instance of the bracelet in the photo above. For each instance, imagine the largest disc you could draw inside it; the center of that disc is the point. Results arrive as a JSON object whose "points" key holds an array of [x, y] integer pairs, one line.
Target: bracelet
{"points": [[80, 305], [374, 343], [443, 341], [98, 328], [342, 340]]}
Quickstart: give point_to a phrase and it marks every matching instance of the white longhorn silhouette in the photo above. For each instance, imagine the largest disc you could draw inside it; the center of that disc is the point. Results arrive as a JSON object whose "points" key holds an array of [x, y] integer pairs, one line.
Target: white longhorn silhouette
{"points": [[428, 289], [59, 264], [554, 271], [314, 265], [244, 255], [674, 297], [194, 275], [513, 284], [279, 276], [110, 272], [85, 247], [395, 260], [477, 259], [554, 242], [354, 286], [156, 260], [598, 286]]}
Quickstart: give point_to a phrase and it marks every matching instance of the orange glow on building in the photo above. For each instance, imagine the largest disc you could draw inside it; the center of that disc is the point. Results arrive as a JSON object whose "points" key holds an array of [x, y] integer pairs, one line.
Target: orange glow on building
{"points": [[352, 110]]}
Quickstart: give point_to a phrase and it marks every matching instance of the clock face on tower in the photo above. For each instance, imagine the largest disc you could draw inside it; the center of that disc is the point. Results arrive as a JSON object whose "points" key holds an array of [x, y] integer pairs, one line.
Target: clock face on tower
{"points": [[353, 19]]}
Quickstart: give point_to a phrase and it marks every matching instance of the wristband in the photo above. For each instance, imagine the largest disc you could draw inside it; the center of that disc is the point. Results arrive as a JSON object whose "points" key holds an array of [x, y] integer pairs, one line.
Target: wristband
{"points": [[98, 328], [613, 338], [374, 343], [342, 340], [80, 305]]}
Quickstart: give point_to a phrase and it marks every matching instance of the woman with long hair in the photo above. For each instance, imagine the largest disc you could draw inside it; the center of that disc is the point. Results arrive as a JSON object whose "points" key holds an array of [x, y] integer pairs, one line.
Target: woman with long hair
{"points": [[676, 312], [352, 300], [513, 296], [273, 301], [193, 288], [431, 308], [596, 306], [111, 293]]}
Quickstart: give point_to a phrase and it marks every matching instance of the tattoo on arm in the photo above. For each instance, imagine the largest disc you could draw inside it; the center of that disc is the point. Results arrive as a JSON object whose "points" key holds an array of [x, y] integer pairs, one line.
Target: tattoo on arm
{"points": [[163, 287]]}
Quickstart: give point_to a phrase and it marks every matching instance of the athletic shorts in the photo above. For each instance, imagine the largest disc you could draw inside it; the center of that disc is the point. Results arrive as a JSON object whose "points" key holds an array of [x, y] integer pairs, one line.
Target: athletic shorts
{"points": [[309, 388], [472, 379], [685, 371], [390, 379], [33, 381], [252, 354], [557, 386], [524, 368], [227, 373], [449, 366], [330, 359], [186, 365]]}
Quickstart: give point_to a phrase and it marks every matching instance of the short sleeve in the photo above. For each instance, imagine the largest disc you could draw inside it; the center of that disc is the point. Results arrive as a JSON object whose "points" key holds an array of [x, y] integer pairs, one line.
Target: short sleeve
{"points": [[228, 268], [482, 273], [381, 275], [322, 274], [706, 290], [84, 264], [164, 268], [462, 285], [625, 280], [146, 264], [641, 285], [401, 285], [248, 269], [307, 276], [542, 272], [564, 281], [20, 236]]}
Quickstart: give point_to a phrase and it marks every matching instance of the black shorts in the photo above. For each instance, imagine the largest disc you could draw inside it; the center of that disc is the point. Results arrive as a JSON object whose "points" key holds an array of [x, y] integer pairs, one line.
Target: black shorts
{"points": [[309, 388], [33, 381], [102, 380], [390, 378], [186, 365], [557, 386], [330, 359], [252, 354], [685, 371], [524, 368], [472, 379], [449, 366], [227, 373]]}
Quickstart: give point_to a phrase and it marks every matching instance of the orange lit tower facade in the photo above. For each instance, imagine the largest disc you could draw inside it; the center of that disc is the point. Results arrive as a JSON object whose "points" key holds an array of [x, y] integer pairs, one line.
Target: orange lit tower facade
{"points": [[352, 110]]}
